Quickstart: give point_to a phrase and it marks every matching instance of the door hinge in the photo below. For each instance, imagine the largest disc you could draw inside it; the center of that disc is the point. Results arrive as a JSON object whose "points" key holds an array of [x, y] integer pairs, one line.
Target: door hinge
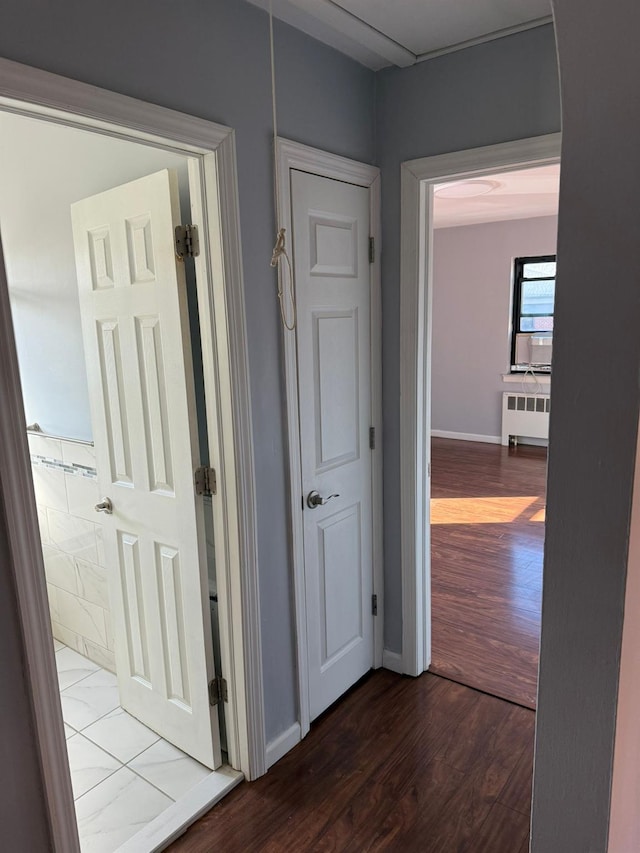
{"points": [[374, 605], [218, 691], [372, 438], [372, 250], [205, 480], [187, 242]]}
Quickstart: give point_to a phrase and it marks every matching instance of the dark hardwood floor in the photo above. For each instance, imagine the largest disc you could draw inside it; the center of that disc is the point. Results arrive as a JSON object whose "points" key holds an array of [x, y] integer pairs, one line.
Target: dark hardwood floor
{"points": [[487, 539], [398, 764]]}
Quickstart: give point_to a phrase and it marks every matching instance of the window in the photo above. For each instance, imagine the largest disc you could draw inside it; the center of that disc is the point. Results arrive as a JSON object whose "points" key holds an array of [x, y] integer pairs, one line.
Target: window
{"points": [[534, 286]]}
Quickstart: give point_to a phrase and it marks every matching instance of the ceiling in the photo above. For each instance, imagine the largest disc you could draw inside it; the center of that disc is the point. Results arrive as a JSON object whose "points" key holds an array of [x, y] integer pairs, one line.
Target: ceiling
{"points": [[521, 194], [379, 33]]}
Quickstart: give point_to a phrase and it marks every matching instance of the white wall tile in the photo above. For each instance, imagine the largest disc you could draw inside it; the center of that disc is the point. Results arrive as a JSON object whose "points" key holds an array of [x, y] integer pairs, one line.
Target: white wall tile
{"points": [[52, 594], [92, 583], [70, 639], [74, 535], [50, 488], [82, 616], [98, 654], [41, 446], [43, 523], [78, 454], [60, 569], [82, 496]]}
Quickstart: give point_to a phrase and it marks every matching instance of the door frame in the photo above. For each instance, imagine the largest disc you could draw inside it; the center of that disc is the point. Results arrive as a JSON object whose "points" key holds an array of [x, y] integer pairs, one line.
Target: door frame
{"points": [[293, 155], [39, 94], [418, 178]]}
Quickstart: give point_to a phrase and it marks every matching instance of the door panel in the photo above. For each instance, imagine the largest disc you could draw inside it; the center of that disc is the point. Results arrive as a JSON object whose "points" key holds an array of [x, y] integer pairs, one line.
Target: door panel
{"points": [[136, 337], [330, 241]]}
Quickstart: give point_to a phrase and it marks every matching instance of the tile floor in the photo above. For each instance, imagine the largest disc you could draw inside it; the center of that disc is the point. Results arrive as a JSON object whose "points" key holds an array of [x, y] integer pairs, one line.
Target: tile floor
{"points": [[123, 774]]}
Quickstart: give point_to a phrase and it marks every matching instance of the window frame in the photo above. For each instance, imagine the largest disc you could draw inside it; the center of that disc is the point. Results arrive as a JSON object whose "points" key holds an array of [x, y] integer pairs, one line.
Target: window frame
{"points": [[516, 292]]}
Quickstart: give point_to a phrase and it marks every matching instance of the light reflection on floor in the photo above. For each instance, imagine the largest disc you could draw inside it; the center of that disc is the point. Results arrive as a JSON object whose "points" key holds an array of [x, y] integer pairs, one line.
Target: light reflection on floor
{"points": [[503, 510]]}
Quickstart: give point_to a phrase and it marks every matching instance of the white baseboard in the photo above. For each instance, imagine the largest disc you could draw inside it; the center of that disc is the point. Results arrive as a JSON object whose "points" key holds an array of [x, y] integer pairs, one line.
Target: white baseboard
{"points": [[279, 747], [466, 436], [392, 661]]}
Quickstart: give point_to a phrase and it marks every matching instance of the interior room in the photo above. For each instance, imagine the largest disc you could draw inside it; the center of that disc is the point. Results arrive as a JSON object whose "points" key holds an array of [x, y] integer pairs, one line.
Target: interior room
{"points": [[315, 132], [489, 480], [124, 773]]}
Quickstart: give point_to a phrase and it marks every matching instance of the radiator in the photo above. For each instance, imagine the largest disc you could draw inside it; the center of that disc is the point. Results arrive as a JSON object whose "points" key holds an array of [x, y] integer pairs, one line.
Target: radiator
{"points": [[525, 415]]}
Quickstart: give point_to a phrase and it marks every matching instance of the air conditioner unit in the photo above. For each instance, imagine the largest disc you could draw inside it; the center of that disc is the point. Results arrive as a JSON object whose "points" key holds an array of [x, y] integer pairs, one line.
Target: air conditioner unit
{"points": [[534, 350], [541, 349]]}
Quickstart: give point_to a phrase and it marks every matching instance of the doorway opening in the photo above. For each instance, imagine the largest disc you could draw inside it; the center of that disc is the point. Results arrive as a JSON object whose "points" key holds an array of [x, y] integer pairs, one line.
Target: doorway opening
{"points": [[167, 630], [418, 179], [493, 289], [128, 763]]}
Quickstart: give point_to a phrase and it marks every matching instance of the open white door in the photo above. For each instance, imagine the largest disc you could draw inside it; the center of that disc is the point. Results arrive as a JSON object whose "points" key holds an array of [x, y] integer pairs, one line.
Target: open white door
{"points": [[138, 356], [331, 254]]}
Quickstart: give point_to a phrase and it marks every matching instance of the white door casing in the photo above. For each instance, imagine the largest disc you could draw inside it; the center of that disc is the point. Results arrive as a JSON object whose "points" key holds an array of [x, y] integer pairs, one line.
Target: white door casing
{"points": [[331, 226], [418, 178], [137, 347]]}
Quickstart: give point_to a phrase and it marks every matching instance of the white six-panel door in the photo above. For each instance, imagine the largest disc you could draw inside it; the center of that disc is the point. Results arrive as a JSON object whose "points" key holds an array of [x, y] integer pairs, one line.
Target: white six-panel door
{"points": [[137, 348], [331, 256]]}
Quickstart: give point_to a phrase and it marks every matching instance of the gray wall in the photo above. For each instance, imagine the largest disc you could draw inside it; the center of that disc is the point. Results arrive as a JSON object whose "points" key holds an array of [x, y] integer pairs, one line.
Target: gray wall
{"points": [[471, 313], [592, 447], [495, 92], [35, 196], [23, 816], [212, 60]]}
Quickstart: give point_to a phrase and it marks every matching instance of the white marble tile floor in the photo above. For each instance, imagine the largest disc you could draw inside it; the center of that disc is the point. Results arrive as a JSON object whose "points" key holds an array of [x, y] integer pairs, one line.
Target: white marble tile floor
{"points": [[123, 774]]}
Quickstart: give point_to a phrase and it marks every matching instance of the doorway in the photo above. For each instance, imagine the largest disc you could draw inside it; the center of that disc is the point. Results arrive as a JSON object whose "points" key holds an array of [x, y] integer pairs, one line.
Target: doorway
{"points": [[118, 740], [419, 177], [211, 179], [493, 294]]}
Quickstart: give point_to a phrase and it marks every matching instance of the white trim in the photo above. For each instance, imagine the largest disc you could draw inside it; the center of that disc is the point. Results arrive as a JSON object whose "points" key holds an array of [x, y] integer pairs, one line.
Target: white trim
{"points": [[330, 23], [527, 378], [42, 95], [292, 155], [27, 568], [392, 661], [487, 37], [417, 179], [221, 294], [465, 436], [281, 745], [176, 819]]}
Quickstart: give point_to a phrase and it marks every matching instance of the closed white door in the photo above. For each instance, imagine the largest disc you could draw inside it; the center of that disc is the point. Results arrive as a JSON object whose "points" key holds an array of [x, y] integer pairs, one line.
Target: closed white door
{"points": [[137, 348], [331, 255]]}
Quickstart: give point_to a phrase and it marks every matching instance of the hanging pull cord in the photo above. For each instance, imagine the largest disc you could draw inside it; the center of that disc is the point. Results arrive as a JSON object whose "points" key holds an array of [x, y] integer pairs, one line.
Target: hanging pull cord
{"points": [[280, 248], [280, 251]]}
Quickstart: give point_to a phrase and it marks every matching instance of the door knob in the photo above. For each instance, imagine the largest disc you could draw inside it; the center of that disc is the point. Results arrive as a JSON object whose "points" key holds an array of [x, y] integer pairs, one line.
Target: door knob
{"points": [[105, 505], [315, 499]]}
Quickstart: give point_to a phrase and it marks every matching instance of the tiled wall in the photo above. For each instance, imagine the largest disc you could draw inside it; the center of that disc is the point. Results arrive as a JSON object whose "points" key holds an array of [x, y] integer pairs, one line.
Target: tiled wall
{"points": [[64, 478]]}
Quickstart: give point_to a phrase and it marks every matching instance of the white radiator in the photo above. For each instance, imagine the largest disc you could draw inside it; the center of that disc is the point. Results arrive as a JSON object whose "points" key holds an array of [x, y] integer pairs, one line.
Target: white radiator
{"points": [[525, 415]]}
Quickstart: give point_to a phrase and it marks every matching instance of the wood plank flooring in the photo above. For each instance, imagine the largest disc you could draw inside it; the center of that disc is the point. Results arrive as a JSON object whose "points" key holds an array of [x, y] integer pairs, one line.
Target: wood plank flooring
{"points": [[398, 764], [487, 540]]}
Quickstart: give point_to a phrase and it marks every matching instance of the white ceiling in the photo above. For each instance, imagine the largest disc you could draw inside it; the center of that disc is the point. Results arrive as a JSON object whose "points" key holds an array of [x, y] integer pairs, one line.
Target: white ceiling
{"points": [[522, 194], [402, 32]]}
